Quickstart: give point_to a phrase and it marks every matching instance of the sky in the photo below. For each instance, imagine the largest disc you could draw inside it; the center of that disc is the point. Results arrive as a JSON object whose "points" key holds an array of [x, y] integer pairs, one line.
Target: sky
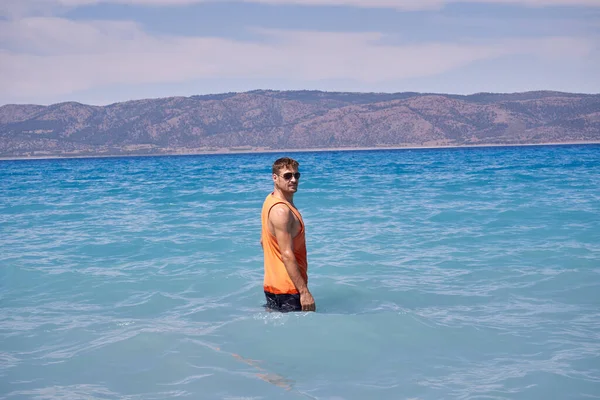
{"points": [[106, 51]]}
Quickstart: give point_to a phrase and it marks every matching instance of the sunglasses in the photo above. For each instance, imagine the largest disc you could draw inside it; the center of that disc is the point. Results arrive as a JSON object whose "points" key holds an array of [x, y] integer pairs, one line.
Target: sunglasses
{"points": [[288, 175]]}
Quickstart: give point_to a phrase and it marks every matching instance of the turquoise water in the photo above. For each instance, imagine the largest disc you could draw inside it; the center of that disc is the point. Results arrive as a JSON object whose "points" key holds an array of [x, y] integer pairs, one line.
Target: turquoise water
{"points": [[456, 273]]}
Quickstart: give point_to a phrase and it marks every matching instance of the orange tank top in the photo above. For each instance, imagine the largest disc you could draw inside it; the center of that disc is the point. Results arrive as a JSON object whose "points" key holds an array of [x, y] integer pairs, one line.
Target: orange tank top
{"points": [[276, 279]]}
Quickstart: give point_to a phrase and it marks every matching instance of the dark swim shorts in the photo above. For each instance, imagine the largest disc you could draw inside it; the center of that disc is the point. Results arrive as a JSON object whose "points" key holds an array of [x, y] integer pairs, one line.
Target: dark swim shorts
{"points": [[283, 302]]}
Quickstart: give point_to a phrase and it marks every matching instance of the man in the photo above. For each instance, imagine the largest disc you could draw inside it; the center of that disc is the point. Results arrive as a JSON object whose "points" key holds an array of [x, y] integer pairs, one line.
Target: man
{"points": [[283, 242]]}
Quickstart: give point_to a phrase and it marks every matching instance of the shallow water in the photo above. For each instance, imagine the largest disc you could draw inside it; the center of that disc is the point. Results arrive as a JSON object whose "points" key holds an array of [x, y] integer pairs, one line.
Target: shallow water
{"points": [[456, 273]]}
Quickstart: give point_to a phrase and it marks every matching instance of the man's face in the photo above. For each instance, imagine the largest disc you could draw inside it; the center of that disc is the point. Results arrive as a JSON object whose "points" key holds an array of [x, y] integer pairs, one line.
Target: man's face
{"points": [[287, 179]]}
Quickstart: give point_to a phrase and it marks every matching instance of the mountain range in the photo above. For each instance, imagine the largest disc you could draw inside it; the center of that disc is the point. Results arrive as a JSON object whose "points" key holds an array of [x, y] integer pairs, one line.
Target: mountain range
{"points": [[264, 120]]}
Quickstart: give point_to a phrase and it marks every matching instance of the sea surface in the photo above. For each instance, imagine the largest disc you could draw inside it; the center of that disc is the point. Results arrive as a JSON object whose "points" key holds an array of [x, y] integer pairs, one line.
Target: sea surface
{"points": [[437, 274]]}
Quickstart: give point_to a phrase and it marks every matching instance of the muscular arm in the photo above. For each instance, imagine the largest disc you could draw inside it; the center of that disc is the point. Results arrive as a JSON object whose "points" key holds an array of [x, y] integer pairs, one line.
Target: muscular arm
{"points": [[282, 220]]}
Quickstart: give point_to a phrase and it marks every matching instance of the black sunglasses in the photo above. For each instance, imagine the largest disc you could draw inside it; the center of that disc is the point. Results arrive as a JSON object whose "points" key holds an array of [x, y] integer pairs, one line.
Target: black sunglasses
{"points": [[288, 175]]}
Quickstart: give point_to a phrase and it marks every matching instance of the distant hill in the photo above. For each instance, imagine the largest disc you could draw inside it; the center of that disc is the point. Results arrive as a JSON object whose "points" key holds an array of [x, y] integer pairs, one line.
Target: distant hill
{"points": [[263, 120]]}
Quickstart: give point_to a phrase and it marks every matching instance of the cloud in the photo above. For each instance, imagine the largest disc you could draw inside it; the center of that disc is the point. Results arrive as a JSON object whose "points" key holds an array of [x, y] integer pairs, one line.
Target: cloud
{"points": [[54, 57], [19, 8], [400, 4], [410, 4]]}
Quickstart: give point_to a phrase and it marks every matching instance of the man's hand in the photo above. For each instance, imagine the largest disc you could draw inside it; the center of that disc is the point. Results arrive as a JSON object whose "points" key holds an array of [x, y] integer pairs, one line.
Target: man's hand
{"points": [[307, 301]]}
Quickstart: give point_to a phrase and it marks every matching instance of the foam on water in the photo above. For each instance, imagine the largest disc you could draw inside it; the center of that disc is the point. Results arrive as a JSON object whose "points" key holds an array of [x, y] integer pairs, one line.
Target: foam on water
{"points": [[463, 273]]}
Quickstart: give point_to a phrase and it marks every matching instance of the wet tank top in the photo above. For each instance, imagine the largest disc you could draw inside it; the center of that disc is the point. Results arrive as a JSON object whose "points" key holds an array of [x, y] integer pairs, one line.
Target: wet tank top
{"points": [[276, 278]]}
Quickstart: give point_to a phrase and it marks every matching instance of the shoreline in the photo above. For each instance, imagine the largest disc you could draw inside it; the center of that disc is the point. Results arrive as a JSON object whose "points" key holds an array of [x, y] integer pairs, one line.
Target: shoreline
{"points": [[258, 150]]}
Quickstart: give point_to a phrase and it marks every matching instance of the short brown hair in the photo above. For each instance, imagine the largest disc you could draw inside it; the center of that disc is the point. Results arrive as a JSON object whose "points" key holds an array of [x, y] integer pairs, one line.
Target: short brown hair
{"points": [[284, 162]]}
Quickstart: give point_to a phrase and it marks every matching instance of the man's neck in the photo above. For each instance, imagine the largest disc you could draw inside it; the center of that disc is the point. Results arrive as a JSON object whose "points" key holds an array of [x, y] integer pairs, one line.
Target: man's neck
{"points": [[289, 197]]}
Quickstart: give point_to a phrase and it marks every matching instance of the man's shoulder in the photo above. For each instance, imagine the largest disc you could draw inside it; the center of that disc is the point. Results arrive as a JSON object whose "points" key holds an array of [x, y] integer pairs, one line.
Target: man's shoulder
{"points": [[281, 209], [280, 214]]}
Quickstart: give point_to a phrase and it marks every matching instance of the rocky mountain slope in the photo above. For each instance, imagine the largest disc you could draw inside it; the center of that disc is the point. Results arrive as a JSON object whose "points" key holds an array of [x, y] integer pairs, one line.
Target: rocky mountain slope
{"points": [[260, 120]]}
